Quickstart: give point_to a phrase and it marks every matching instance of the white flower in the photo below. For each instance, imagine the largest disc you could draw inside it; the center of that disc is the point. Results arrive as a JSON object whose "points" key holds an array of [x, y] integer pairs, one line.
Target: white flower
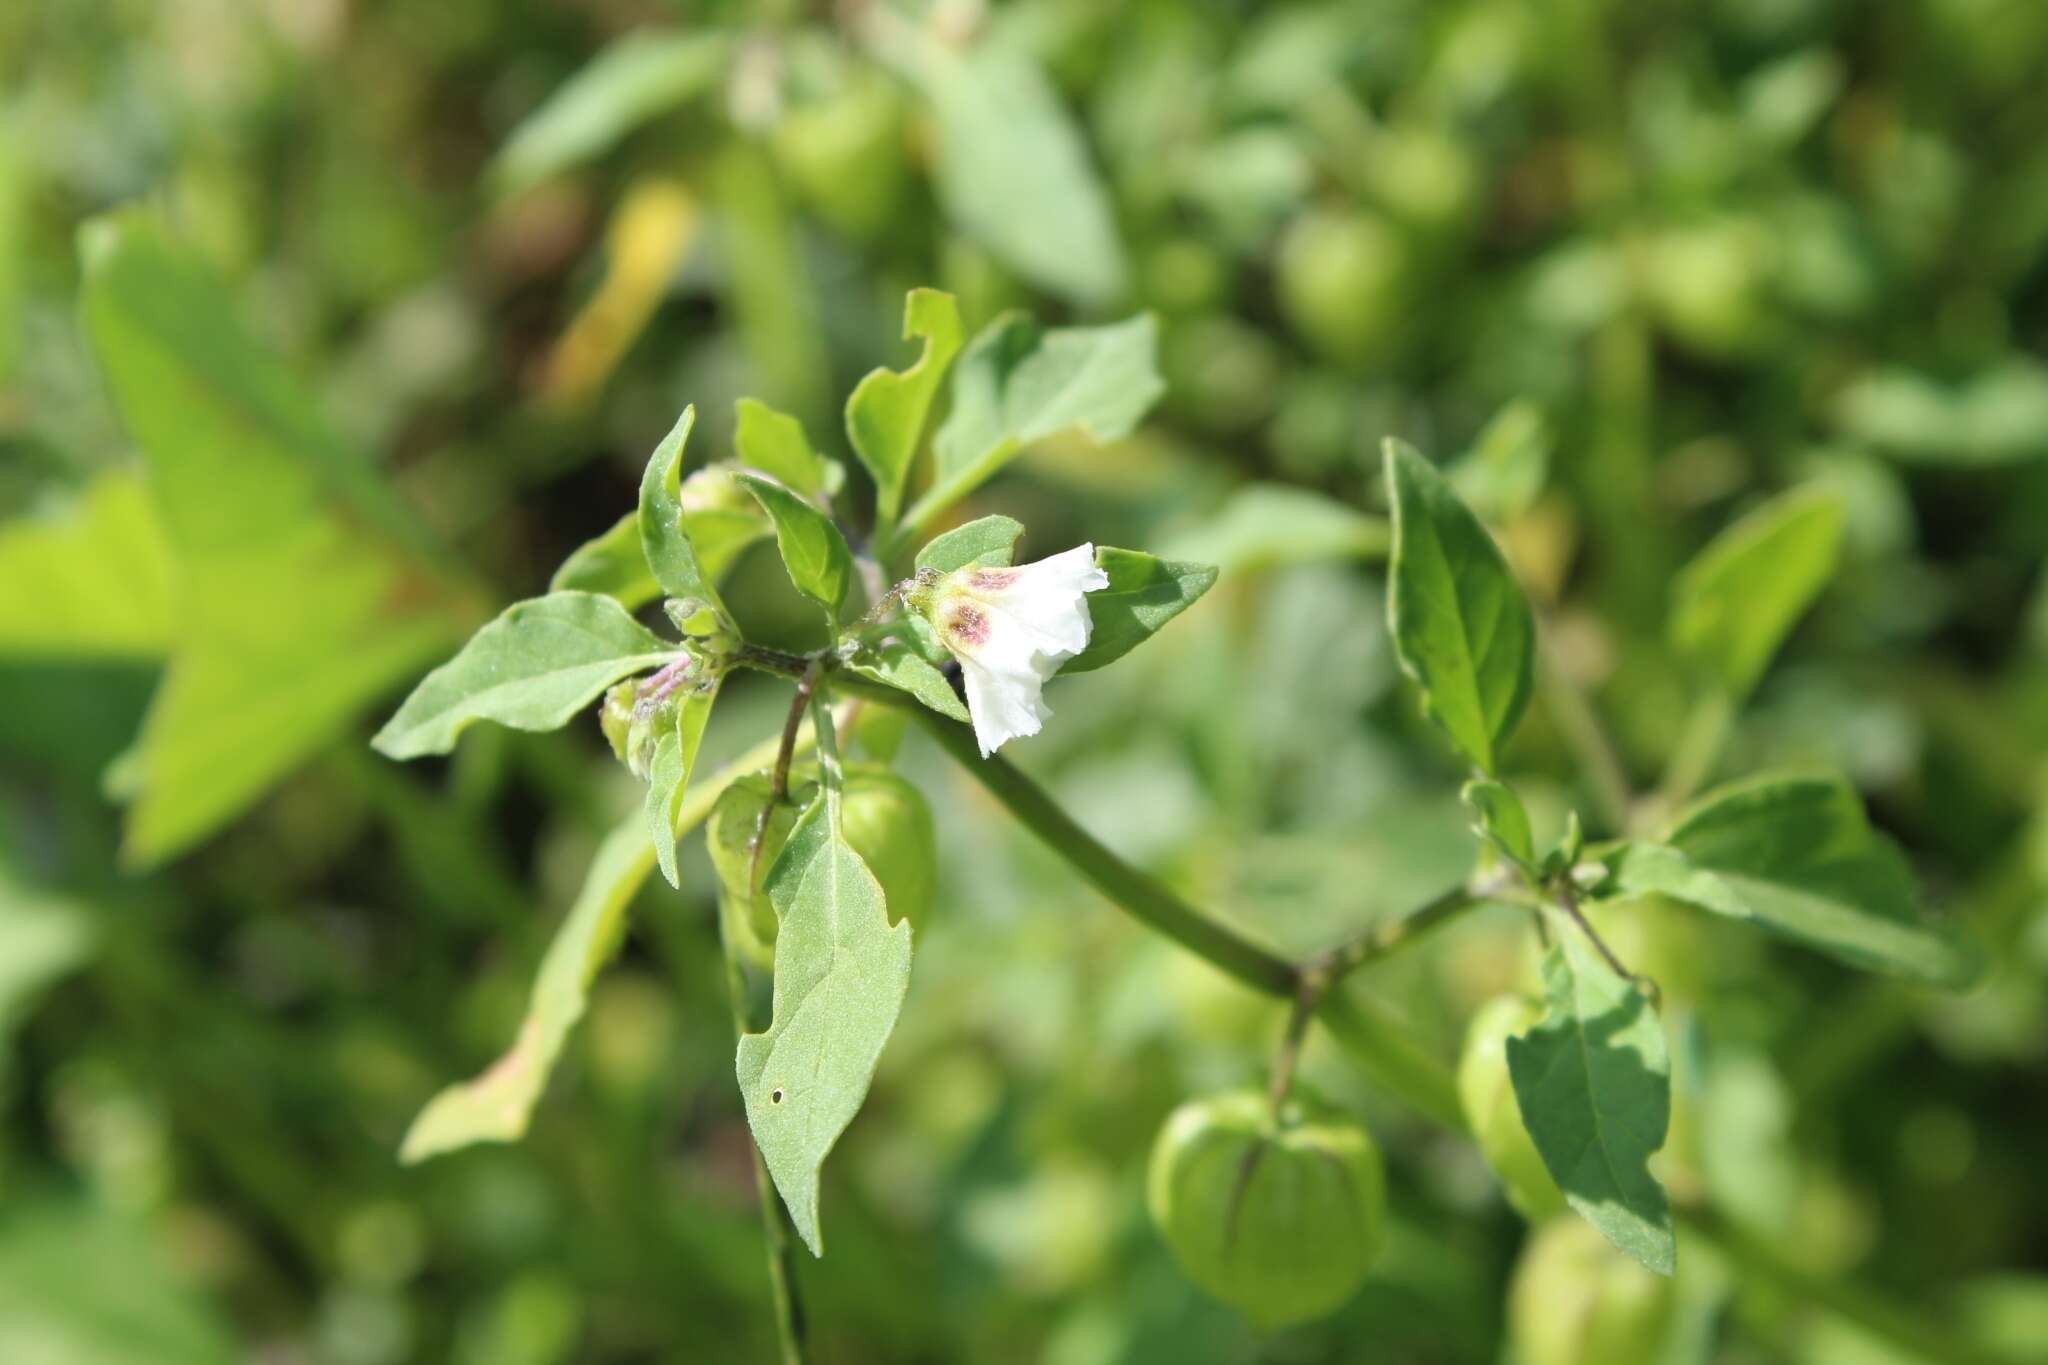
{"points": [[1011, 629]]}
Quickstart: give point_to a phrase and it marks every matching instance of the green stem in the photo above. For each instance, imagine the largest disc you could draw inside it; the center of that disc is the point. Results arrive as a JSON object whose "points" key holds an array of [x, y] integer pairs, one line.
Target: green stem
{"points": [[1390, 936], [1145, 899]]}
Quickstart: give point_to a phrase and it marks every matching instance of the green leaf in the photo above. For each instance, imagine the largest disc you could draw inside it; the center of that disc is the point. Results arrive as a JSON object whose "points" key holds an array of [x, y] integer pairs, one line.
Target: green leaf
{"points": [[886, 412], [630, 82], [1735, 603], [496, 1105], [81, 1285], [1501, 475], [611, 564], [537, 665], [774, 443], [1270, 525], [94, 583], [1460, 624], [1013, 170], [663, 538], [303, 589], [1594, 1082], [990, 541], [675, 756], [1144, 593], [1499, 817], [1997, 417], [898, 664], [41, 940], [1017, 383], [840, 976], [1795, 854], [812, 548]]}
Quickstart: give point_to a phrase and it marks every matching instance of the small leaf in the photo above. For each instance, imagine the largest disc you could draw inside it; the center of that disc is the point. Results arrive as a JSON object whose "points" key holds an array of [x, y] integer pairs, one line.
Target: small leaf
{"points": [[886, 412], [1996, 417], [1144, 593], [533, 668], [1013, 170], [812, 548], [774, 443], [1270, 525], [1594, 1083], [989, 541], [1499, 818], [611, 564], [896, 663], [841, 973], [1796, 855], [1734, 604], [1017, 383], [1460, 624], [663, 539], [1501, 475], [636, 78], [496, 1106], [668, 775]]}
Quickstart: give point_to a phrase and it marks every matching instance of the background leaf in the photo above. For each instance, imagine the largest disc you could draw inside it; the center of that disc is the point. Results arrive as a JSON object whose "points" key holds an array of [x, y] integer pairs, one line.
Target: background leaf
{"points": [[841, 973], [1144, 593], [536, 666], [1268, 525], [1735, 603], [1795, 854], [643, 74], [93, 583], [1594, 1082], [303, 589], [83, 1286], [1460, 624]]}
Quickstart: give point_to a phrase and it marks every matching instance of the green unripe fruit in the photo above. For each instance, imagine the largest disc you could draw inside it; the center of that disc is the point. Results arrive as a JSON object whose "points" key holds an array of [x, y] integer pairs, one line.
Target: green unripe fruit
{"points": [[1281, 1220], [1341, 279], [1575, 1300], [888, 823], [729, 836], [1487, 1096]]}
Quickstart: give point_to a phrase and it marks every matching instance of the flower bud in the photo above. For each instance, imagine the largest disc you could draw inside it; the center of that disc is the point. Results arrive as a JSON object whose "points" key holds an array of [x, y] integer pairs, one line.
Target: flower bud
{"points": [[1282, 1218], [1576, 1300], [1487, 1096], [888, 823]]}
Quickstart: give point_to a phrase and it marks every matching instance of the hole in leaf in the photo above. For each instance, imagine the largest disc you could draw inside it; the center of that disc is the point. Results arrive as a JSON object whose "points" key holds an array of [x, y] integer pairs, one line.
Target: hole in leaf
{"points": [[775, 1096]]}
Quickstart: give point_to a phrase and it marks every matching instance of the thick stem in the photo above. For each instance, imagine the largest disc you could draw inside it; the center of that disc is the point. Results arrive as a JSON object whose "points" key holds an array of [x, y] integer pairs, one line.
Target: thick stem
{"points": [[1392, 935], [1143, 897]]}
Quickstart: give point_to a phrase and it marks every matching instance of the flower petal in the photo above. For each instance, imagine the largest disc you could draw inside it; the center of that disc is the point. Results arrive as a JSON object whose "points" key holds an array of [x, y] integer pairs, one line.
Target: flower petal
{"points": [[1004, 705]]}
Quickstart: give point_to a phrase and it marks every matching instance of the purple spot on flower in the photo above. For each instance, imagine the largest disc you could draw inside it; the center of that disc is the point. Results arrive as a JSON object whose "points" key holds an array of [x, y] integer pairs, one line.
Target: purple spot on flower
{"points": [[966, 624], [994, 580]]}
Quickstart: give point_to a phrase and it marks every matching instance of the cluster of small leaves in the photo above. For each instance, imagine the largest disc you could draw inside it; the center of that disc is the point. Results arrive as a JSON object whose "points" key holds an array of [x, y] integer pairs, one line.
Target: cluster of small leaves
{"points": [[841, 962], [1789, 852]]}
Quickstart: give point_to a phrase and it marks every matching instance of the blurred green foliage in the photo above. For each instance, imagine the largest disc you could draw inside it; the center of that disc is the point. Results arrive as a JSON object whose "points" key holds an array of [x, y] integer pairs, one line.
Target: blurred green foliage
{"points": [[407, 291]]}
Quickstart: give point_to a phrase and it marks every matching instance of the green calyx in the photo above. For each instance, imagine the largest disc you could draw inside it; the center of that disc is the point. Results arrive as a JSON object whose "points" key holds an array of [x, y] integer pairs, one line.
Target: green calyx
{"points": [[1487, 1096], [1279, 1217], [1575, 1300]]}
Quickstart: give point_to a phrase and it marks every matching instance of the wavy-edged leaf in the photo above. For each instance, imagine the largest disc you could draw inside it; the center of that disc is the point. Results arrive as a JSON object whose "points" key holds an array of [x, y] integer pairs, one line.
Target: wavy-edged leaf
{"points": [[642, 75], [989, 541], [813, 550], [497, 1105], [1795, 854], [1461, 626], [841, 972], [542, 661], [1144, 593], [886, 412], [93, 583], [1593, 1078], [1738, 599], [1017, 383]]}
